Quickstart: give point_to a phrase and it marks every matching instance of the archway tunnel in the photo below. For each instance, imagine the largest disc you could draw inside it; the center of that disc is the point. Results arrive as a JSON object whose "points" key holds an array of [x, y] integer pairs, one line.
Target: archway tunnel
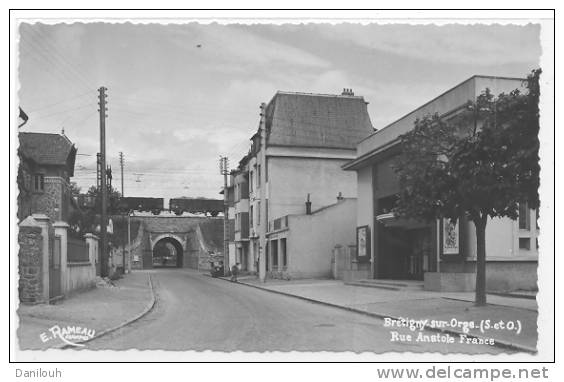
{"points": [[168, 253]]}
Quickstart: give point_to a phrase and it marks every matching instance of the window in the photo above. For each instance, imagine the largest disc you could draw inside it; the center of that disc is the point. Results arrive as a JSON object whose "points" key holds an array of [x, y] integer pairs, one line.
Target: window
{"points": [[267, 257], [524, 243], [252, 178], [274, 252], [251, 216], [258, 176], [258, 216], [38, 183], [524, 216], [284, 255]]}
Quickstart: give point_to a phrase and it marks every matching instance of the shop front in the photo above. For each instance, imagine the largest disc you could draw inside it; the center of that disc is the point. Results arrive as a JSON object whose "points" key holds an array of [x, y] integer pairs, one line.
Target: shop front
{"points": [[404, 249]]}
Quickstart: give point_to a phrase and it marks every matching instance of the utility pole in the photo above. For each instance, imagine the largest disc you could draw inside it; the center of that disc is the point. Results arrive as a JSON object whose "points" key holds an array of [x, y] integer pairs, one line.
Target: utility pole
{"points": [[129, 241], [263, 206], [103, 188], [224, 170], [123, 220], [98, 174], [121, 165]]}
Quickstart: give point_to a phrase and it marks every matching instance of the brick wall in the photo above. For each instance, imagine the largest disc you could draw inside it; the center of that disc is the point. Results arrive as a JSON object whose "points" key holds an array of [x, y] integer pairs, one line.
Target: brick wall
{"points": [[30, 264]]}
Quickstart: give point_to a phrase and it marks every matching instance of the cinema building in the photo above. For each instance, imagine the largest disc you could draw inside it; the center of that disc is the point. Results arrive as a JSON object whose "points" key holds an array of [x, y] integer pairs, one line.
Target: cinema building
{"points": [[439, 253]]}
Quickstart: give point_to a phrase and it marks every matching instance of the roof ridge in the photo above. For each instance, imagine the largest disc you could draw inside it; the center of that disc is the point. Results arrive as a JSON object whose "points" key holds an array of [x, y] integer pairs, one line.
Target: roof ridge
{"points": [[320, 94], [39, 133]]}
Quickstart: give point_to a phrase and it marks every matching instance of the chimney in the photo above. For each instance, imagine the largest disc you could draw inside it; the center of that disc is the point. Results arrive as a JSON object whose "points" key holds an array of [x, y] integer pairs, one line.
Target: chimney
{"points": [[308, 206], [340, 196], [347, 92]]}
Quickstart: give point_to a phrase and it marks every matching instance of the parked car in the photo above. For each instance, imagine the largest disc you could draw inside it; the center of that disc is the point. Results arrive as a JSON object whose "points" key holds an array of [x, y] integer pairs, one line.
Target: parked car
{"points": [[216, 268]]}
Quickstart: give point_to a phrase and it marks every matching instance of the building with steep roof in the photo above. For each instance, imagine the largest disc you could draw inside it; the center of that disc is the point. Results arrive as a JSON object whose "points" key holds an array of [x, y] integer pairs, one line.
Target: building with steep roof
{"points": [[46, 166], [317, 120], [308, 138]]}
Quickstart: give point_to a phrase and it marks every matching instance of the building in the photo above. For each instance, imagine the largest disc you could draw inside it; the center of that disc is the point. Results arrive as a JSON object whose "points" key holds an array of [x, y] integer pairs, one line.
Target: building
{"points": [[46, 166], [441, 254], [308, 138], [302, 245], [52, 263], [229, 200]]}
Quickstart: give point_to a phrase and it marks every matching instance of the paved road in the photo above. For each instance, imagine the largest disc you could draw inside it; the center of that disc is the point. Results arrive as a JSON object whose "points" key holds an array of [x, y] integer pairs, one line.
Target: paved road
{"points": [[195, 312]]}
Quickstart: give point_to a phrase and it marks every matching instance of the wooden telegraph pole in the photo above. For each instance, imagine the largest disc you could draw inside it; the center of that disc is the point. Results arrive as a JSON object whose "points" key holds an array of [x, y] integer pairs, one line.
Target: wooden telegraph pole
{"points": [[124, 264], [121, 166], [104, 190], [224, 170], [263, 206]]}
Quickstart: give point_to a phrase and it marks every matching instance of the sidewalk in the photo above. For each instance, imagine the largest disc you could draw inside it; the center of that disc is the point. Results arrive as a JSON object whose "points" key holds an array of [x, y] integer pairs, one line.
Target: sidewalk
{"points": [[102, 308], [419, 304]]}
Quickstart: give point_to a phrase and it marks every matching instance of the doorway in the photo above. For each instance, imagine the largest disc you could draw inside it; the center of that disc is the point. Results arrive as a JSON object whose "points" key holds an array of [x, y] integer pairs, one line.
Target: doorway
{"points": [[167, 253], [404, 254], [55, 267]]}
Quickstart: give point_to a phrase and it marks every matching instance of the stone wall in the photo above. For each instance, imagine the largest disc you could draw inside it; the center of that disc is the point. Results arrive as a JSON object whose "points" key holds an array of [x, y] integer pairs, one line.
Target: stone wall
{"points": [[138, 247], [54, 201], [30, 264], [204, 239]]}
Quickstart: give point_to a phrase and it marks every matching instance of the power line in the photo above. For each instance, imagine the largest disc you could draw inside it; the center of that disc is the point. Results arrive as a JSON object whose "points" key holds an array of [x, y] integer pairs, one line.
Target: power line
{"points": [[53, 49], [180, 107], [35, 48], [72, 98], [50, 68], [84, 121], [67, 110], [181, 116]]}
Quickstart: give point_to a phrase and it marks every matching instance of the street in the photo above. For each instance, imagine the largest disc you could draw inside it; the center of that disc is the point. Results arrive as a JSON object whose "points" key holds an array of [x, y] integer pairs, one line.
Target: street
{"points": [[195, 312]]}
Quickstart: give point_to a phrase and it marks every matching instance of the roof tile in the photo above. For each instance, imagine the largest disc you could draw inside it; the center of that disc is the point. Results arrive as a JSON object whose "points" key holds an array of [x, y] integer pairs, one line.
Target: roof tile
{"points": [[45, 148], [317, 120]]}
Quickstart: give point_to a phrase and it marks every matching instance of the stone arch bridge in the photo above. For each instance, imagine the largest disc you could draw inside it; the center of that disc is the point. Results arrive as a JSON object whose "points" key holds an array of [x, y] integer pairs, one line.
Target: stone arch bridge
{"points": [[176, 241]]}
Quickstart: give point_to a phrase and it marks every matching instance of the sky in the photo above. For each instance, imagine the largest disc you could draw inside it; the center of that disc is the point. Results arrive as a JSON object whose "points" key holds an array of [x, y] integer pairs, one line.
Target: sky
{"points": [[179, 96]]}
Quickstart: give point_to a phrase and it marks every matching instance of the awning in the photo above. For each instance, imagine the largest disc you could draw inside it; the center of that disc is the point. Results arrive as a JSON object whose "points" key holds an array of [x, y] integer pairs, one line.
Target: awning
{"points": [[390, 220]]}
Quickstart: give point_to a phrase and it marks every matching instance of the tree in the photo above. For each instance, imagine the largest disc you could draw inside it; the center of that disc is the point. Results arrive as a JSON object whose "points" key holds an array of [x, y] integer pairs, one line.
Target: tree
{"points": [[74, 189], [480, 164], [76, 218], [86, 219], [113, 196]]}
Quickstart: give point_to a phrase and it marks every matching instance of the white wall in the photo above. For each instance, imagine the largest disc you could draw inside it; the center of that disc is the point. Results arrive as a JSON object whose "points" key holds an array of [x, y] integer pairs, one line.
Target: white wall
{"points": [[444, 103], [311, 238], [291, 179], [365, 203], [80, 276], [502, 240]]}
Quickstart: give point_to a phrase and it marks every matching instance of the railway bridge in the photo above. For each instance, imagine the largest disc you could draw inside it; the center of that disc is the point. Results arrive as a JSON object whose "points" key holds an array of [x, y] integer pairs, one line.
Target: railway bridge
{"points": [[176, 241]]}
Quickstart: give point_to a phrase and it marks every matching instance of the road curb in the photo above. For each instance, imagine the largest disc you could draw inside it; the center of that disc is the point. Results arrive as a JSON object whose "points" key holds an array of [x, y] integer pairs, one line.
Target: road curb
{"points": [[498, 343], [505, 306], [150, 305]]}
